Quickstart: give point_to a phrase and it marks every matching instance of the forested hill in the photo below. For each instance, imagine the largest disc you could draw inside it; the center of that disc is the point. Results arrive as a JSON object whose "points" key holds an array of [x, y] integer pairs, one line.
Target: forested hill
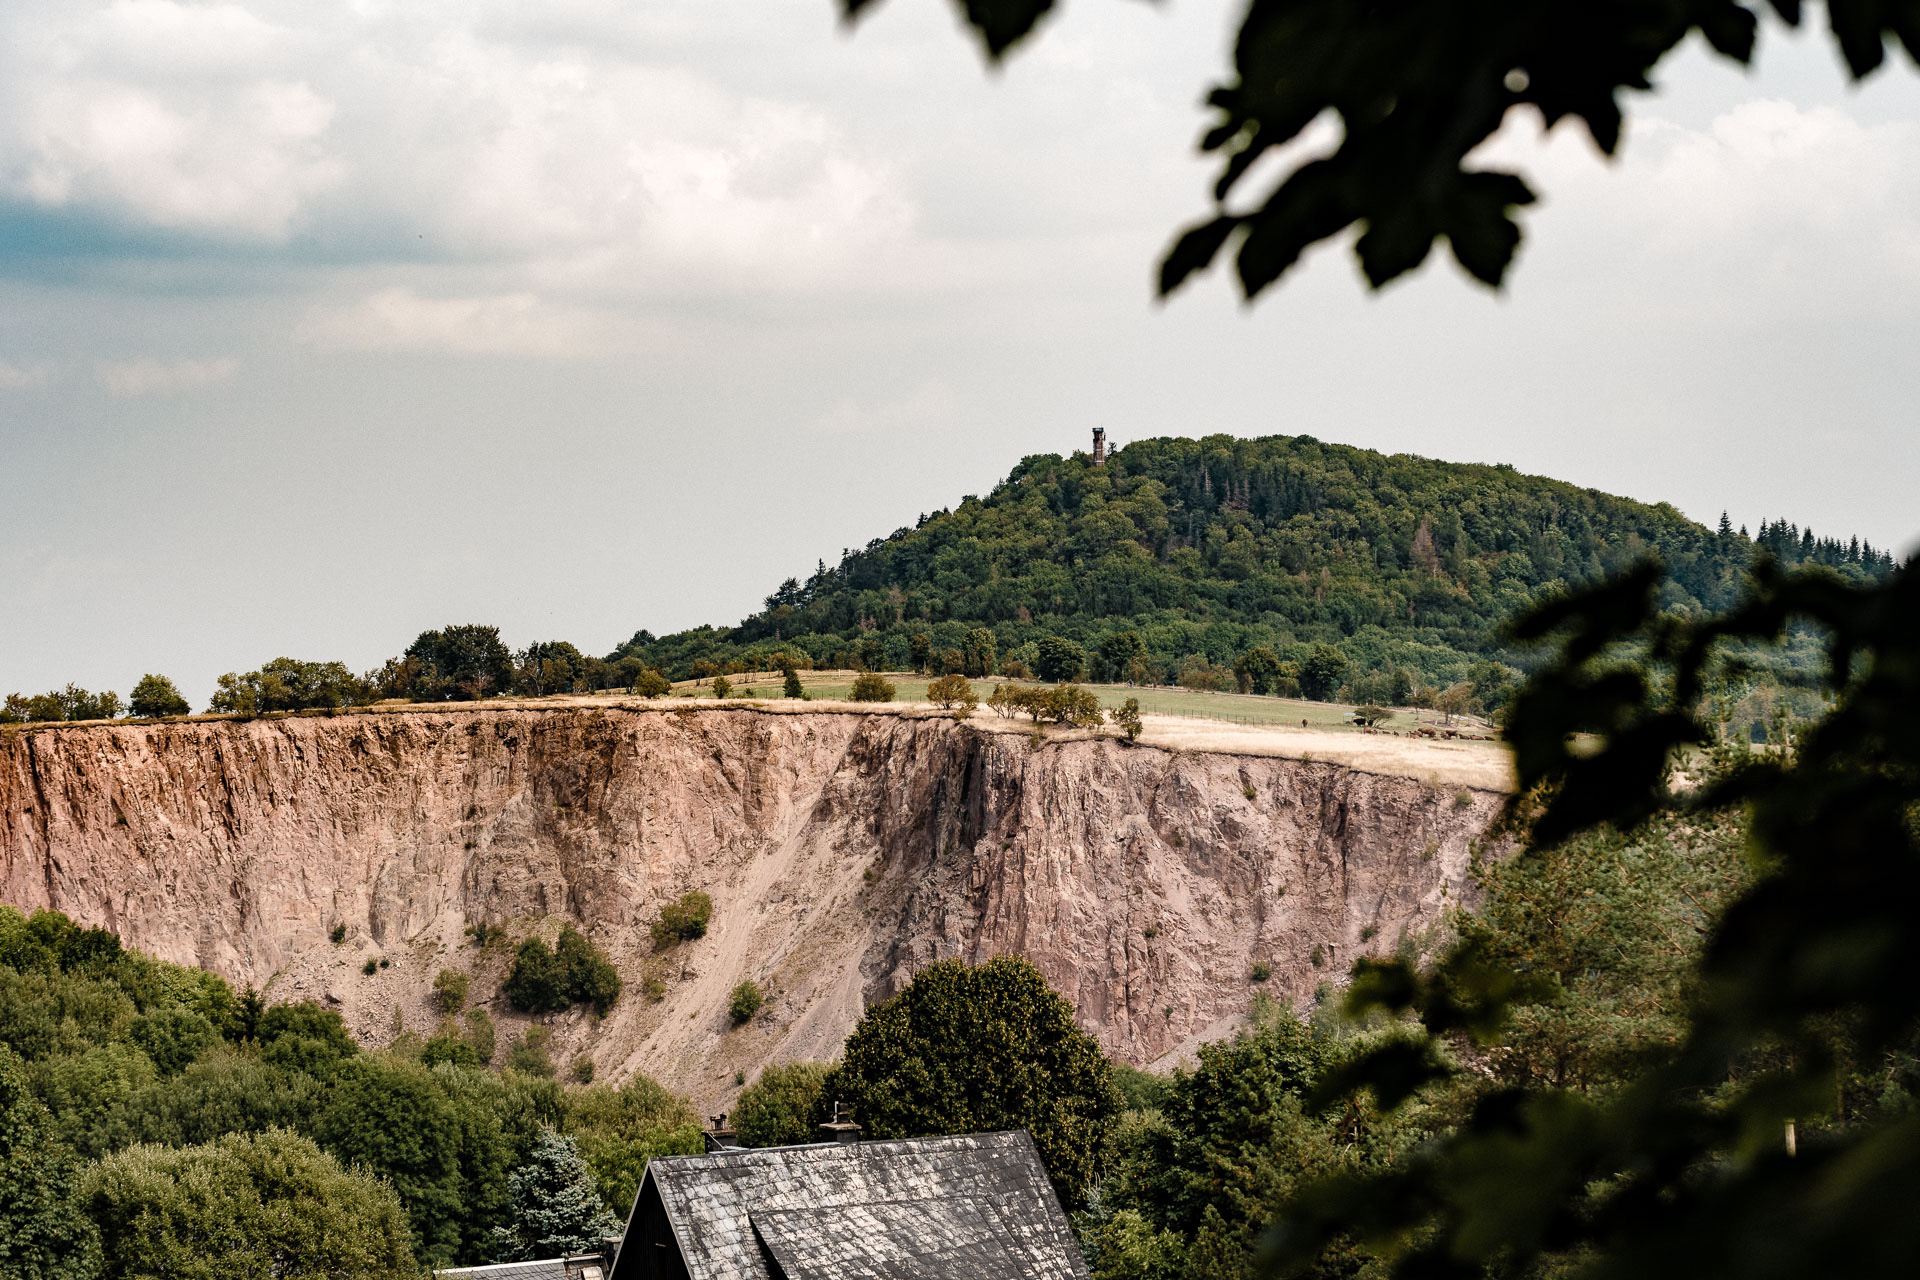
{"points": [[1214, 546]]}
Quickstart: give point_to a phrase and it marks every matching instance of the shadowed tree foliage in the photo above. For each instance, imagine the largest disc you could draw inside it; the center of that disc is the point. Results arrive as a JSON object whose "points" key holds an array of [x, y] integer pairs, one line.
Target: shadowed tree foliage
{"points": [[1415, 89], [971, 1049], [1775, 1131]]}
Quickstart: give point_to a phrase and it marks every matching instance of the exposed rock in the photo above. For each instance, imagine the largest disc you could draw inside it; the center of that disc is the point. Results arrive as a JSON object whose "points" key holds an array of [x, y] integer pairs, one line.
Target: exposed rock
{"points": [[842, 851]]}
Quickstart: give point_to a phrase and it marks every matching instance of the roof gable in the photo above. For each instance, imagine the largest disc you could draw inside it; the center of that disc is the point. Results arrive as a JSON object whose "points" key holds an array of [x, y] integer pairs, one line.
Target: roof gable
{"points": [[970, 1206]]}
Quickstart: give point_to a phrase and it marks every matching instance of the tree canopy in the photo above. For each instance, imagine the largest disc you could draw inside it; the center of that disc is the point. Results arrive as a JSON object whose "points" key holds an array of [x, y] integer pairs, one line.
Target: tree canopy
{"points": [[974, 1048]]}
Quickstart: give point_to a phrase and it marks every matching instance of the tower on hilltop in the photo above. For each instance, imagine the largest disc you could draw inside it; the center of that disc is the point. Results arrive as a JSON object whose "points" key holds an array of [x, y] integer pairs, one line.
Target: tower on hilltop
{"points": [[1099, 446]]}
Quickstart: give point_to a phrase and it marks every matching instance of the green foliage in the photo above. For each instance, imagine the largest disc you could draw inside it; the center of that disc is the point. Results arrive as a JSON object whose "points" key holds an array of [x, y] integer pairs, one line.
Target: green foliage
{"points": [[450, 990], [456, 664], [1219, 546], [70, 703], [552, 666], [480, 1035], [1370, 715], [43, 1231], [1127, 717], [967, 1049], [390, 1118], [722, 687], [1322, 672], [871, 686], [156, 696], [950, 691], [337, 934], [288, 684], [91, 1020], [1059, 658], [172, 1038], [790, 685], [545, 981], [651, 684], [527, 1053], [1140, 1090], [744, 1001], [783, 1106], [553, 1207], [619, 1130], [683, 919], [1655, 1093], [246, 1205]]}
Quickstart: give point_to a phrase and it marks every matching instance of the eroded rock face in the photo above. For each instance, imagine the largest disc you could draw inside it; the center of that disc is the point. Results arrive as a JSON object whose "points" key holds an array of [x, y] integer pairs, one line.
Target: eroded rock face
{"points": [[842, 851]]}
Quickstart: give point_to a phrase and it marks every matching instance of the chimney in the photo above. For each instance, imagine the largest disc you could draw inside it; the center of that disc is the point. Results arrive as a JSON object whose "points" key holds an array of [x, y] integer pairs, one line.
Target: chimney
{"points": [[718, 1137], [841, 1128], [1099, 446]]}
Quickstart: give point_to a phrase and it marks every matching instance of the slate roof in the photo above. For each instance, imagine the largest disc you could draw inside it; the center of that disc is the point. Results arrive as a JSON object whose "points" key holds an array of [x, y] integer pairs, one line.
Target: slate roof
{"points": [[584, 1267], [967, 1207]]}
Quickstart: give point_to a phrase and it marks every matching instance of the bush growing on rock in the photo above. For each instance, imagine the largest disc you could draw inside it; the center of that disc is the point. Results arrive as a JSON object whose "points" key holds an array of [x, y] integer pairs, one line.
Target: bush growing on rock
{"points": [[1127, 717], [744, 1002], [450, 990], [527, 1053], [683, 919], [547, 981]]}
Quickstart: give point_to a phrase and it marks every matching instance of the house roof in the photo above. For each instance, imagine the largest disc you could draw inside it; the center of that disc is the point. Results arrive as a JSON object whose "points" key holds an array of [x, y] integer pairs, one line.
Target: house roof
{"points": [[966, 1207], [583, 1267]]}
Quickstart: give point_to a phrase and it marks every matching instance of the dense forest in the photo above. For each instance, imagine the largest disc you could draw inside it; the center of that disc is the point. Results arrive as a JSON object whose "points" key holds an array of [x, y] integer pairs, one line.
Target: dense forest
{"points": [[1213, 547], [1279, 565]]}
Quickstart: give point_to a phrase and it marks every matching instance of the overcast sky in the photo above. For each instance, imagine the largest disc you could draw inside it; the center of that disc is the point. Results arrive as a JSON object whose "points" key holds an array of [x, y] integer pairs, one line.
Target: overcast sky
{"points": [[322, 324]]}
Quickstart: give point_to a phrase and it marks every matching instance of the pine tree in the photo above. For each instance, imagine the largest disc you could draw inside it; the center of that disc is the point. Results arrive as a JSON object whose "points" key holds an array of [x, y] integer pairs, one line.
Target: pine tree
{"points": [[553, 1207]]}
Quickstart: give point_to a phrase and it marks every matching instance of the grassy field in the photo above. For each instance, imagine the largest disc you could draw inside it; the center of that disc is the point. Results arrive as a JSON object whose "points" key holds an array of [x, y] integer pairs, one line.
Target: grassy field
{"points": [[1235, 708]]}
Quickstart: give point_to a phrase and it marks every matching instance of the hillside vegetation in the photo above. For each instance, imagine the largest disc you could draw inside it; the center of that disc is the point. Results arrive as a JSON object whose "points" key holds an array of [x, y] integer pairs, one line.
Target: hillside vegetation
{"points": [[1206, 549]]}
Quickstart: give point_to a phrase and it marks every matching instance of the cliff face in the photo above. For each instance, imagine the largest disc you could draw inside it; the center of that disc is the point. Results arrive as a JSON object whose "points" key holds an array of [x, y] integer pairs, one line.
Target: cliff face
{"points": [[842, 851]]}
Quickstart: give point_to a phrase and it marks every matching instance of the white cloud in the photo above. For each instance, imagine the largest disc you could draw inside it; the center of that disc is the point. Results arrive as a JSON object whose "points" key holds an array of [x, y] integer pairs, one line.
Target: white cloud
{"points": [[440, 126], [1771, 210], [151, 377], [932, 404], [19, 377], [505, 324]]}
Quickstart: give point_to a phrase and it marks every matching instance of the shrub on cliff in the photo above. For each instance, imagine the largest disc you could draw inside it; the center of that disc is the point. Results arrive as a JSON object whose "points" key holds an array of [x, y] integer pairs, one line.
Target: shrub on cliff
{"points": [[744, 1002], [1127, 717], [450, 990], [683, 919], [871, 686], [975, 1048], [950, 691], [546, 981], [782, 1106], [70, 703], [156, 696]]}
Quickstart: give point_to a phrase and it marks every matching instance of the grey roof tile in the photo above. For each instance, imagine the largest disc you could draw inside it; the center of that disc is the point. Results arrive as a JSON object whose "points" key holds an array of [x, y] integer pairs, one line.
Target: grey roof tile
{"points": [[966, 1207]]}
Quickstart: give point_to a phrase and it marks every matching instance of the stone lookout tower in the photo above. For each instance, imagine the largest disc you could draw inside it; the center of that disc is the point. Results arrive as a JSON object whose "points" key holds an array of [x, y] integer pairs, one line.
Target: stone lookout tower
{"points": [[1099, 446]]}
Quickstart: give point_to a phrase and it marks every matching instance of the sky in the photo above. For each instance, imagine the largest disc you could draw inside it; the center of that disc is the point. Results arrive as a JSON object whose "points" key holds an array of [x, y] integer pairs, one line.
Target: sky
{"points": [[321, 325]]}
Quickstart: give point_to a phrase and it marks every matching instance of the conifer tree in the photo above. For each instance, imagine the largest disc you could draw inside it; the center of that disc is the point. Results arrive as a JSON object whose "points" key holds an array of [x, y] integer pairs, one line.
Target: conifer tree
{"points": [[553, 1207]]}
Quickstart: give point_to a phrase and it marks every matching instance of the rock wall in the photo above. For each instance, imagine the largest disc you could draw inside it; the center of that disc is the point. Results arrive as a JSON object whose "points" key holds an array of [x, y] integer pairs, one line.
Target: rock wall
{"points": [[842, 850]]}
